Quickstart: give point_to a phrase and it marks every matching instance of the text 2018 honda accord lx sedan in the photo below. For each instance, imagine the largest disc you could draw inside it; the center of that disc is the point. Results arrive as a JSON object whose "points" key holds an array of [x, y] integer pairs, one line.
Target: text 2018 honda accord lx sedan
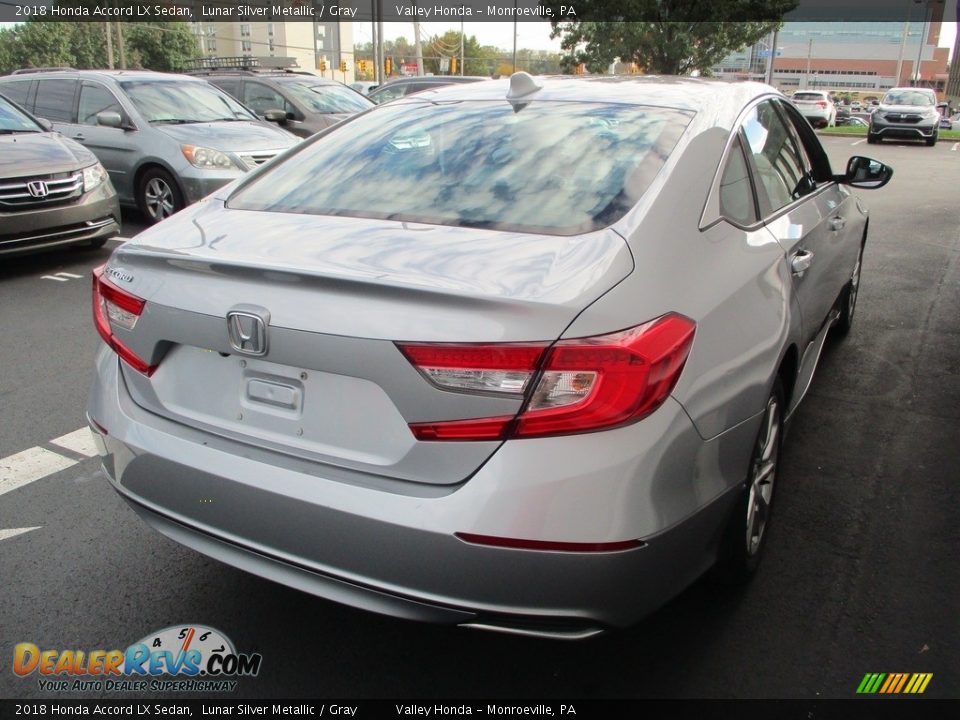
{"points": [[515, 354]]}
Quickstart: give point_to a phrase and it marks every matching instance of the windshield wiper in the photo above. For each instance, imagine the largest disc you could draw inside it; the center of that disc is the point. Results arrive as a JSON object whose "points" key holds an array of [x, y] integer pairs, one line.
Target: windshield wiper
{"points": [[9, 131]]}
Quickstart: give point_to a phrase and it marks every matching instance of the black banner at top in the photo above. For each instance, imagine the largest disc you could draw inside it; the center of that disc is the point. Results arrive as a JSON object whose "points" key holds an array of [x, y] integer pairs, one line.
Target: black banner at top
{"points": [[473, 10]]}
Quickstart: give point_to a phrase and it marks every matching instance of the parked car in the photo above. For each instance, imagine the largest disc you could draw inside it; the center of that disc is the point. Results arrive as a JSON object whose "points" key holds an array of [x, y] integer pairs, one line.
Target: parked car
{"points": [[516, 355], [955, 121], [906, 113], [53, 191], [843, 114], [299, 102], [166, 140], [407, 86], [364, 87], [857, 122], [816, 106]]}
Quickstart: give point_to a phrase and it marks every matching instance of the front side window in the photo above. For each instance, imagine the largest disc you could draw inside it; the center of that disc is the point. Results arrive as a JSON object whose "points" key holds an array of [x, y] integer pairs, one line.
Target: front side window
{"points": [[95, 99], [262, 98], [178, 102], [551, 167]]}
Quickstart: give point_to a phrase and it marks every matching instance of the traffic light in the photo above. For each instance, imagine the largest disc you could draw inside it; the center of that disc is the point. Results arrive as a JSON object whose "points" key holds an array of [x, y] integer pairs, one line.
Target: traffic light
{"points": [[343, 66], [453, 66], [388, 66], [363, 67], [323, 66]]}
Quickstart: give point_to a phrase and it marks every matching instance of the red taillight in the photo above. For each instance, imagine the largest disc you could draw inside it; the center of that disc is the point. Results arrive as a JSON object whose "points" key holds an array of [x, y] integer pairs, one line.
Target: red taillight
{"points": [[113, 305], [522, 544], [582, 385], [822, 103]]}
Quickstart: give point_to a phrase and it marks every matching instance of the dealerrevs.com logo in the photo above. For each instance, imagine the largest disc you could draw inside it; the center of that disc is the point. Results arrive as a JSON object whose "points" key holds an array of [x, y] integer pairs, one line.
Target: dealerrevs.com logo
{"points": [[180, 658]]}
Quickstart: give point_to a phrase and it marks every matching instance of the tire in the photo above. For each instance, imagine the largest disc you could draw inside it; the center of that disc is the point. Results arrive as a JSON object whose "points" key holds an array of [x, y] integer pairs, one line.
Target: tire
{"points": [[872, 139], [743, 540], [848, 299], [931, 141], [158, 195]]}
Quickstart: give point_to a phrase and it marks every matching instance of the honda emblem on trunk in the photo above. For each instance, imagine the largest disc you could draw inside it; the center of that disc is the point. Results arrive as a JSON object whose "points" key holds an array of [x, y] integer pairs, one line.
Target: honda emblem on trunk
{"points": [[38, 188], [248, 332]]}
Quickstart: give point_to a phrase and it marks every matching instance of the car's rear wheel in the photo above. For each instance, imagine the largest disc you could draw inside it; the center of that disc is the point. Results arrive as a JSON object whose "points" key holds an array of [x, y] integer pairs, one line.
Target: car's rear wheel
{"points": [[158, 195], [743, 540], [848, 299]]}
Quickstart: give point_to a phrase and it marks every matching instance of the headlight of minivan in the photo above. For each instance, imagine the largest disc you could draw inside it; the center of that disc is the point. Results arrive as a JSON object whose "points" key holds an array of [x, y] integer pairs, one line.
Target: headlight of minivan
{"points": [[93, 177], [209, 158]]}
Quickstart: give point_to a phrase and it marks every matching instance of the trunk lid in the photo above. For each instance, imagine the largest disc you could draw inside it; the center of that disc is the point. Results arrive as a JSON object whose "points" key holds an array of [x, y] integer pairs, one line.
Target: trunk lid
{"points": [[336, 294]]}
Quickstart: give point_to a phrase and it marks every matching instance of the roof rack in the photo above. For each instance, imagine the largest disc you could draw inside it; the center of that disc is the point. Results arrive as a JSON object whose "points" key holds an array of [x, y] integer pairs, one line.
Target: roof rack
{"points": [[244, 65], [28, 71]]}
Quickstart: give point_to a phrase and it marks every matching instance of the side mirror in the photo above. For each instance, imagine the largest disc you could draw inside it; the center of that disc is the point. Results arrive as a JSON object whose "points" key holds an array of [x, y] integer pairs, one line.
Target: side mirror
{"points": [[109, 118], [45, 124], [862, 172], [275, 115]]}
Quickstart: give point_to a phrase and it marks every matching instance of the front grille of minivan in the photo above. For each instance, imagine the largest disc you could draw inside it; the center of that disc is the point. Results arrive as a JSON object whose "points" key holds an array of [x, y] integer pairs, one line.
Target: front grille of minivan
{"points": [[53, 189], [255, 159]]}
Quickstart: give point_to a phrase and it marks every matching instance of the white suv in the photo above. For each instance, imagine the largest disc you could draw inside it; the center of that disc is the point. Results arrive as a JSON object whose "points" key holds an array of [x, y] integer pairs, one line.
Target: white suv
{"points": [[816, 106]]}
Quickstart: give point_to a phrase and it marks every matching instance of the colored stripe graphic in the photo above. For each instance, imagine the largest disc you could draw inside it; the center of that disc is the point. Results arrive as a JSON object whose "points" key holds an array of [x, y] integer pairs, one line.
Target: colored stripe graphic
{"points": [[894, 683]]}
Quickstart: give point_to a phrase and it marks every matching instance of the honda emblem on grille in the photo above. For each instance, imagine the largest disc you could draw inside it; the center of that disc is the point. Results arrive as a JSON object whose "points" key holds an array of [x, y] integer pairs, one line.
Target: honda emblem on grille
{"points": [[248, 332], [38, 188]]}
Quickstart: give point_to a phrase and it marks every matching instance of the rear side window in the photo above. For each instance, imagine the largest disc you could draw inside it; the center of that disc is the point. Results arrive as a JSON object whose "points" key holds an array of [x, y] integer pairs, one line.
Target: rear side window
{"points": [[550, 167], [55, 100], [17, 91], [96, 99], [736, 192], [260, 98], [232, 87], [780, 169]]}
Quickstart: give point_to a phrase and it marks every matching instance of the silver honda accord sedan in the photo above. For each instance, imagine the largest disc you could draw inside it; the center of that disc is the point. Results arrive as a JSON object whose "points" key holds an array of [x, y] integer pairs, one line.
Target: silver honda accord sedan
{"points": [[515, 355]]}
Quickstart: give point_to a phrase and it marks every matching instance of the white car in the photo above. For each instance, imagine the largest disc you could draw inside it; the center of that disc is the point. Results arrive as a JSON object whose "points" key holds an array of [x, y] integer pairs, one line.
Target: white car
{"points": [[816, 106]]}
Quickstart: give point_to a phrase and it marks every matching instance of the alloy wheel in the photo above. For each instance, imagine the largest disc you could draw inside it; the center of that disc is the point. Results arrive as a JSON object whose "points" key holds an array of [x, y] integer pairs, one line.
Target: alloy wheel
{"points": [[763, 472], [158, 198]]}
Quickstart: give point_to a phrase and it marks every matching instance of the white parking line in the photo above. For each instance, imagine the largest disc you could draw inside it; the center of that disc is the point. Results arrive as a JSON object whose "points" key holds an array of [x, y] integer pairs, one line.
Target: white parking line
{"points": [[69, 275], [29, 465], [53, 277], [858, 142], [13, 532], [80, 441], [955, 146]]}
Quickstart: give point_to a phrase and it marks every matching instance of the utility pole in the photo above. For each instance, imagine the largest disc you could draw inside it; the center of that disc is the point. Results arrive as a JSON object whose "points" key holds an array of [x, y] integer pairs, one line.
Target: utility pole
{"points": [[377, 60], [109, 33], [123, 54], [514, 35], [773, 56], [416, 42], [806, 79], [462, 58]]}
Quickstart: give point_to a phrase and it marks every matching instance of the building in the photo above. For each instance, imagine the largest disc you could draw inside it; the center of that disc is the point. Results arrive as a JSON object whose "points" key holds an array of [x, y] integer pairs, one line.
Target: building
{"points": [[311, 44], [953, 82], [863, 57]]}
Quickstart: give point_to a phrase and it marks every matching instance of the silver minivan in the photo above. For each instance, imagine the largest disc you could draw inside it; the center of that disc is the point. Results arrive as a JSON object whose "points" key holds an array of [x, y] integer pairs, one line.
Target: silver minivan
{"points": [[166, 140]]}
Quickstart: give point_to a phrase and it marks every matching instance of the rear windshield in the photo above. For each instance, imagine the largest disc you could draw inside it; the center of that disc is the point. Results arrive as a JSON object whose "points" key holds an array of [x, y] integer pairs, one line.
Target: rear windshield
{"points": [[808, 96], [549, 167]]}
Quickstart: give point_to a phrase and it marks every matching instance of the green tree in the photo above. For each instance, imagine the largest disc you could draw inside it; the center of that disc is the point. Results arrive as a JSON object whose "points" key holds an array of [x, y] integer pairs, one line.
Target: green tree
{"points": [[679, 41], [162, 46]]}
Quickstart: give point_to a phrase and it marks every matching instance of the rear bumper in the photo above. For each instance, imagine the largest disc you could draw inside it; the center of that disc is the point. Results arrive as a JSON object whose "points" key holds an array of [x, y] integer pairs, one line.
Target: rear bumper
{"points": [[95, 215], [393, 549]]}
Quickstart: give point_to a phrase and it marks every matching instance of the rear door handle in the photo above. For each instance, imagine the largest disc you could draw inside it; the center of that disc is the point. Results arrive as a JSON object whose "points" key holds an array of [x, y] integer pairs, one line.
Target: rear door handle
{"points": [[837, 223], [801, 262], [79, 136]]}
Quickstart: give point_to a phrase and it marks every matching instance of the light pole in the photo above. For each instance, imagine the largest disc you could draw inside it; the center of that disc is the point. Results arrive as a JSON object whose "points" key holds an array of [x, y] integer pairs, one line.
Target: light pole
{"points": [[927, 14]]}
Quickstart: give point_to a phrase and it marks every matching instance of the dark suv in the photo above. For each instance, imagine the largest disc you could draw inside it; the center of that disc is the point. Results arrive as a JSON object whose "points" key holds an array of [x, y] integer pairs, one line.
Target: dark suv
{"points": [[52, 190], [300, 102]]}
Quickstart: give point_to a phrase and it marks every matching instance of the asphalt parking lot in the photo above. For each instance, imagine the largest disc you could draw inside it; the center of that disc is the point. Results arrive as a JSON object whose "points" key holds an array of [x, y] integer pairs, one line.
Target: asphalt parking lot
{"points": [[860, 574]]}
